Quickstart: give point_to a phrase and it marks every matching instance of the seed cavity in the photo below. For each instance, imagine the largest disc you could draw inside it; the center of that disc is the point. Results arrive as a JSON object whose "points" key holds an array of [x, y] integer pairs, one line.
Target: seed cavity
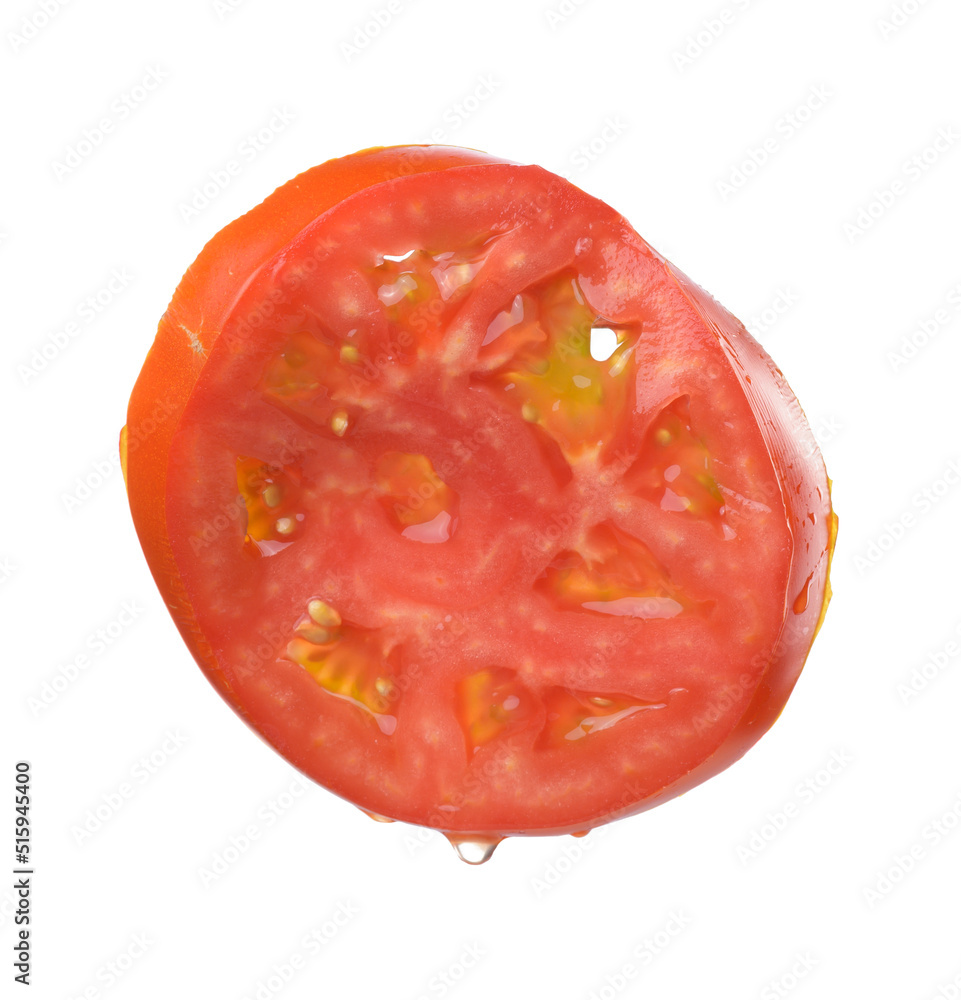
{"points": [[541, 348], [309, 382], [418, 503], [612, 573], [673, 469], [270, 496], [353, 663], [492, 703]]}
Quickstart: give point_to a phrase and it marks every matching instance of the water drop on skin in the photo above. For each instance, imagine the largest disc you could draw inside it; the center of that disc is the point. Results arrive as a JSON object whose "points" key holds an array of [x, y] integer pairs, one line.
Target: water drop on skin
{"points": [[801, 601], [473, 850]]}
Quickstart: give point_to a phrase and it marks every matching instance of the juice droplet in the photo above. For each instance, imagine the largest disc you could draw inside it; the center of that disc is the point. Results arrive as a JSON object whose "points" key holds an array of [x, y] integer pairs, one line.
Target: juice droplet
{"points": [[801, 601], [581, 833], [473, 850], [376, 817], [572, 715]]}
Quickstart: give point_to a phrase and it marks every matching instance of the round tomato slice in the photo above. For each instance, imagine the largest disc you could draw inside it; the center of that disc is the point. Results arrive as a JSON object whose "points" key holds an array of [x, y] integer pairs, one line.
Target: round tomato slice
{"points": [[472, 505]]}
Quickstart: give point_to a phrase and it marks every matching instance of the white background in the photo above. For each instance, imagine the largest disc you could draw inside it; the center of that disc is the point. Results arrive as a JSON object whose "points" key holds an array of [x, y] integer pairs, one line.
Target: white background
{"points": [[675, 99]]}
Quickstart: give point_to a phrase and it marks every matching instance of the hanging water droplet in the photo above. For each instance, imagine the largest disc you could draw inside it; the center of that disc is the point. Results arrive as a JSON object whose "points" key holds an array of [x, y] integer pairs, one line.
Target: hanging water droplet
{"points": [[473, 850], [376, 817]]}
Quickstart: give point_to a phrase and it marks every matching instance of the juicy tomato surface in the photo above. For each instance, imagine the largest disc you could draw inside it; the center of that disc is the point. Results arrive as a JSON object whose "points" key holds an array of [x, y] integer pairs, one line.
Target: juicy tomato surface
{"points": [[473, 506]]}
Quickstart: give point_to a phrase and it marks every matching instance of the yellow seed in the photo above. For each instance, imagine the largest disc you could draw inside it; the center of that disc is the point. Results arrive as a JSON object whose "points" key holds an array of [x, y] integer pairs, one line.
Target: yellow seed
{"points": [[602, 702], [271, 496], [384, 686], [313, 633], [349, 353], [338, 423], [529, 413], [619, 363], [663, 436], [284, 525], [323, 613]]}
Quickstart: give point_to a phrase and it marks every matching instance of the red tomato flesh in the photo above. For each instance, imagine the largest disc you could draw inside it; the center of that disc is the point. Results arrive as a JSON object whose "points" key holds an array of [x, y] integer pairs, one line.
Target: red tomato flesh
{"points": [[451, 564]]}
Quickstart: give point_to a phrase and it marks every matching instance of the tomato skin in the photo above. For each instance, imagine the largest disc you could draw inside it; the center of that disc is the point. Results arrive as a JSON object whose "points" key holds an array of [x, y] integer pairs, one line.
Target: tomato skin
{"points": [[805, 489], [204, 301]]}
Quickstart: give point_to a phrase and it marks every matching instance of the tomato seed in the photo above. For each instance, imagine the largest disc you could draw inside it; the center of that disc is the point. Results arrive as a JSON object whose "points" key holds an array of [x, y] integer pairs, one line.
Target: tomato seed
{"points": [[338, 423], [323, 614]]}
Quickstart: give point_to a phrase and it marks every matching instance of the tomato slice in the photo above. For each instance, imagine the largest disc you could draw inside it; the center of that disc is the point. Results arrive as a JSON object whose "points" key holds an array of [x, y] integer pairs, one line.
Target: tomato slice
{"points": [[453, 561]]}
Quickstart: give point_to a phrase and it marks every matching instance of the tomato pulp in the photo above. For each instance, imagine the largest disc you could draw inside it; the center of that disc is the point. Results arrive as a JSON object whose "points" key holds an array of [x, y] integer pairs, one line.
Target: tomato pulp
{"points": [[472, 505]]}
